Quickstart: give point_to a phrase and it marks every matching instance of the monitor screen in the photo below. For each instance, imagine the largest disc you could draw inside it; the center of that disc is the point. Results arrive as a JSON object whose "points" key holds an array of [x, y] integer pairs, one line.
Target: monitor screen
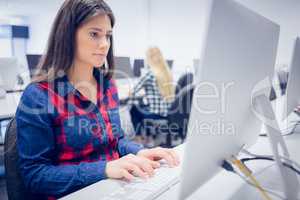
{"points": [[33, 61], [137, 65], [123, 68], [20, 32]]}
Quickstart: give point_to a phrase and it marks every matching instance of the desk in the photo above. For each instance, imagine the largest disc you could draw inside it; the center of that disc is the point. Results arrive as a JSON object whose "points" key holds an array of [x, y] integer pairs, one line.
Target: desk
{"points": [[8, 105], [234, 188]]}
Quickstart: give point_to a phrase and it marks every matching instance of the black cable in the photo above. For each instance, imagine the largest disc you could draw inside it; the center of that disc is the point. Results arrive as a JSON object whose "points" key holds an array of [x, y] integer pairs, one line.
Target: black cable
{"points": [[270, 159]]}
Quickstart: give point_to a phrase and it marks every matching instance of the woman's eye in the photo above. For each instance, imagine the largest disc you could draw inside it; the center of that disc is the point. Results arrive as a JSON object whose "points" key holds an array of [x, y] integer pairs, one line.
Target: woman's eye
{"points": [[93, 34]]}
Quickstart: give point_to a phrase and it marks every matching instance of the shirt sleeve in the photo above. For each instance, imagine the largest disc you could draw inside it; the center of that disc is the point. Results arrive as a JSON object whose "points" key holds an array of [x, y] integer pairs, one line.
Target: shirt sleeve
{"points": [[140, 84], [126, 146], [36, 149]]}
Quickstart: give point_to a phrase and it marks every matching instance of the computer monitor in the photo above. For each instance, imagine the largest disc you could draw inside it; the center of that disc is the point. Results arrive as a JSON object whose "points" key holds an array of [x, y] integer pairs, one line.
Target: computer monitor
{"points": [[239, 51], [138, 64], [9, 73], [170, 63], [33, 61], [123, 68], [292, 98]]}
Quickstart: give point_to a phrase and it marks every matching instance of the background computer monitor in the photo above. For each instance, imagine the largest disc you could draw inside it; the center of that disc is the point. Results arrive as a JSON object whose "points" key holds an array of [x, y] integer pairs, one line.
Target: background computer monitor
{"points": [[33, 61], [170, 63], [239, 51], [138, 64], [9, 73], [123, 68], [292, 98]]}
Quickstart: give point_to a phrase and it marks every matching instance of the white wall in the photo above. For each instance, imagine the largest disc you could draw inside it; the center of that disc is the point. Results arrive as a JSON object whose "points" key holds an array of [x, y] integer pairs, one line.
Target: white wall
{"points": [[176, 27], [130, 32], [38, 16]]}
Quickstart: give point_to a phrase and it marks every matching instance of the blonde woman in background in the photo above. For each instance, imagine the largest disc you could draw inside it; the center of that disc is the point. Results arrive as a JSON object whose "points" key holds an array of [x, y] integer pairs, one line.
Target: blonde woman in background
{"points": [[159, 92]]}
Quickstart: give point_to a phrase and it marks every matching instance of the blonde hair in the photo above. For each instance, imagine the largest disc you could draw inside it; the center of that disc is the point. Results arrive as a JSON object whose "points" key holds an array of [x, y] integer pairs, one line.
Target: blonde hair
{"points": [[162, 73]]}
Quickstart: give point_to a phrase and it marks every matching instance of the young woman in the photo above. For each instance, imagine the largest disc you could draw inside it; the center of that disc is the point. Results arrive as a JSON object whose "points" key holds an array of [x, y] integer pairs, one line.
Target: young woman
{"points": [[159, 93], [69, 133]]}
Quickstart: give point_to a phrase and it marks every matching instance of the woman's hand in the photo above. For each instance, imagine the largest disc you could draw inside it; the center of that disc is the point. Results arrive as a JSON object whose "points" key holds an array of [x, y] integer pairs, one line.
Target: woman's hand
{"points": [[129, 166], [158, 153]]}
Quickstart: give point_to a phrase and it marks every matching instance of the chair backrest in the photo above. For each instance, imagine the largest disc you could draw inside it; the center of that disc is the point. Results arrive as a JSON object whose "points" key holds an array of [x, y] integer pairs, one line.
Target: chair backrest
{"points": [[15, 187], [183, 81], [179, 111]]}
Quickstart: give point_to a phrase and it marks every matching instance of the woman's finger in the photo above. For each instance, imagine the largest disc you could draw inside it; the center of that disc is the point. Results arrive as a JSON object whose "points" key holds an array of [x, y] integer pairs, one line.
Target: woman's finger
{"points": [[125, 174], [135, 170], [175, 156]]}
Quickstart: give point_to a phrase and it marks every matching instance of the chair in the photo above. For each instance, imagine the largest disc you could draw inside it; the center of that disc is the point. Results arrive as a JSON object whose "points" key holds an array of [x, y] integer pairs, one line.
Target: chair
{"points": [[15, 187], [183, 81], [178, 113]]}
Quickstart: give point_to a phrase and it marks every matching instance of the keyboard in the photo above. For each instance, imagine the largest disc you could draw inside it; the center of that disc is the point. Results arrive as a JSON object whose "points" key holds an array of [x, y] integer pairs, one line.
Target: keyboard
{"points": [[147, 189]]}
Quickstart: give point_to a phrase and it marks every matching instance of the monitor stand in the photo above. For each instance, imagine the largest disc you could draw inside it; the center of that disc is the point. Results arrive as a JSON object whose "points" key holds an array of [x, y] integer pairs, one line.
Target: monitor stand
{"points": [[289, 178]]}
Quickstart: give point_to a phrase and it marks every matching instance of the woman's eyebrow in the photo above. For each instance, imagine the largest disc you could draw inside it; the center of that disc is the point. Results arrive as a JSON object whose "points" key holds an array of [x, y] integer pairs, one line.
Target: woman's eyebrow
{"points": [[99, 29]]}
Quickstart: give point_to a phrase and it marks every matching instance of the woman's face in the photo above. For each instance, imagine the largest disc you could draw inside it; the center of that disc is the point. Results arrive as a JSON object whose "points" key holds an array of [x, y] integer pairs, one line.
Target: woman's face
{"points": [[93, 41]]}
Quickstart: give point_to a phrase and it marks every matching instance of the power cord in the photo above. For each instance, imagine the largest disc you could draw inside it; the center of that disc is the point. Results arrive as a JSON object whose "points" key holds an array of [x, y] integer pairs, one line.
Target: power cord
{"points": [[244, 169], [228, 166], [253, 182]]}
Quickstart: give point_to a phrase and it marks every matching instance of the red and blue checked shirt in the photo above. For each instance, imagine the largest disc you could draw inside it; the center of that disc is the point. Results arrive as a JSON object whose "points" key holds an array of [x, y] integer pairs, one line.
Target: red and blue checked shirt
{"points": [[64, 140]]}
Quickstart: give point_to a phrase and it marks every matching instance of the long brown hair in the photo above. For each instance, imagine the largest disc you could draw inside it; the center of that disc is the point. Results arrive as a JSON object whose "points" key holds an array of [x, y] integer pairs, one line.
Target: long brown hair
{"points": [[60, 50]]}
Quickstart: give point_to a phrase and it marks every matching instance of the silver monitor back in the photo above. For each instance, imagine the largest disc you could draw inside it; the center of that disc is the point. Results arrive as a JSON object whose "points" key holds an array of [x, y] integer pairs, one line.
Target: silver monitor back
{"points": [[9, 71], [239, 52], [292, 91]]}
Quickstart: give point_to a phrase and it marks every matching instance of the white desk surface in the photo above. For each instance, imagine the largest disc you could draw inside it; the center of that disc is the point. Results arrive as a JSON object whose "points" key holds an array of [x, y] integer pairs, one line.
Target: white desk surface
{"points": [[8, 104], [223, 186]]}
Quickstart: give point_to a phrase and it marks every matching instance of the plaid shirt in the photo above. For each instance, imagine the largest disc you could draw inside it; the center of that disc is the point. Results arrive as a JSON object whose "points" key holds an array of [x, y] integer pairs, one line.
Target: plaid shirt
{"points": [[65, 140], [153, 100]]}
